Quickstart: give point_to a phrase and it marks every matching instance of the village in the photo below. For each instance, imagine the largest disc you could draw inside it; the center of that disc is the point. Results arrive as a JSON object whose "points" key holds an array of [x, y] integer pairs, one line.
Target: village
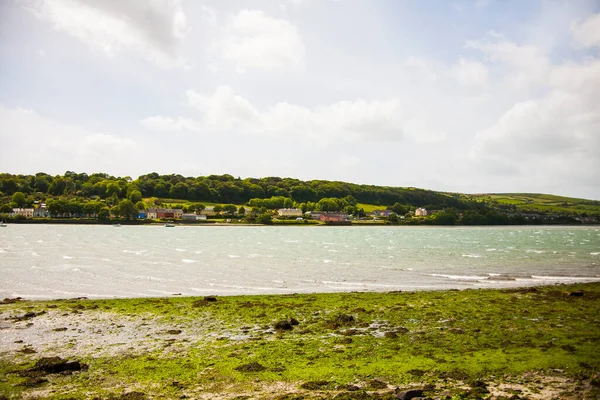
{"points": [[216, 212]]}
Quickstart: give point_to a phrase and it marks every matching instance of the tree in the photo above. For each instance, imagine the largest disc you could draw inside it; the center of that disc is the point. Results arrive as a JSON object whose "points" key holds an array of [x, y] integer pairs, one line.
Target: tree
{"points": [[104, 213], [135, 196], [58, 185], [113, 189], [242, 210], [265, 219], [140, 205], [218, 208], [126, 209], [19, 199], [230, 209], [5, 208]]}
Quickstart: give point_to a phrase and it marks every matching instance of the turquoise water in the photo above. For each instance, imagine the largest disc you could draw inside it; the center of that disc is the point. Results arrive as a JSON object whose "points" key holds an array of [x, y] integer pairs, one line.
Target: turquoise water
{"points": [[58, 261]]}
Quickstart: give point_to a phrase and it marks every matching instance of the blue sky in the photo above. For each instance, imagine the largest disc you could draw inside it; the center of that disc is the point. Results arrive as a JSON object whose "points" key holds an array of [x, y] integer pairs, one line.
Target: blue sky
{"points": [[470, 96]]}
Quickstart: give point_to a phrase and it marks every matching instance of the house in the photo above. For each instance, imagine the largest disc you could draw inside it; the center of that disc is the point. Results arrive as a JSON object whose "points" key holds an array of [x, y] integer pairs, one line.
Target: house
{"points": [[193, 217], [289, 212], [315, 214], [208, 211], [164, 213], [334, 218], [421, 212], [41, 212], [25, 212], [382, 213]]}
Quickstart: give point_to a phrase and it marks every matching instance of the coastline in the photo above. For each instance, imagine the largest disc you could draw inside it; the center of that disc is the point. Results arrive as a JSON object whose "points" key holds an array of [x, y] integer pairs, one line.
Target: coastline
{"points": [[532, 342], [275, 223]]}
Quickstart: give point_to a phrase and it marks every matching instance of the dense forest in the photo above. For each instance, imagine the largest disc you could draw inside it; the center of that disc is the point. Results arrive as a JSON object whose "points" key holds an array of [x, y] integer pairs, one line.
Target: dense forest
{"points": [[223, 189]]}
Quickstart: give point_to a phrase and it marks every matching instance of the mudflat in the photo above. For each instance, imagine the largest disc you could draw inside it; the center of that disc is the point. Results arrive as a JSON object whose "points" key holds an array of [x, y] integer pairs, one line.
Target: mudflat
{"points": [[520, 343]]}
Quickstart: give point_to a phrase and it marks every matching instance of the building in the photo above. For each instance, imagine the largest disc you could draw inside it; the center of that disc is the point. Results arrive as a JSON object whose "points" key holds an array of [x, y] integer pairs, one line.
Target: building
{"points": [[208, 211], [164, 213], [193, 217], [334, 218], [289, 212], [41, 212], [315, 214], [421, 212], [382, 213], [25, 212]]}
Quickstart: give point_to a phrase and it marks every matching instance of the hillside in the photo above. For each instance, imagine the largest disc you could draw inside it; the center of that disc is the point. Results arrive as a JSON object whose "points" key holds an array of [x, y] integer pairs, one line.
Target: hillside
{"points": [[84, 194], [547, 203]]}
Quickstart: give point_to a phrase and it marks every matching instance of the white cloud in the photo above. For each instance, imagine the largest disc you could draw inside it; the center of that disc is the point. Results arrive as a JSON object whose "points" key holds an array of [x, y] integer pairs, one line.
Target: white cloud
{"points": [[587, 33], [529, 65], [254, 40], [153, 29], [470, 73], [160, 123], [553, 139], [52, 145], [225, 111]]}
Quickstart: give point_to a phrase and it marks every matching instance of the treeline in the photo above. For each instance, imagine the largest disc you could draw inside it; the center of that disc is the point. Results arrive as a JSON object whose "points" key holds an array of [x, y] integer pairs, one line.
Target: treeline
{"points": [[223, 189]]}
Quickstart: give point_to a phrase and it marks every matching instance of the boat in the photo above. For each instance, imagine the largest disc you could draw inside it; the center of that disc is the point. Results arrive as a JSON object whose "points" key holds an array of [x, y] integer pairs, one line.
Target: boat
{"points": [[117, 225], [2, 225], [169, 226]]}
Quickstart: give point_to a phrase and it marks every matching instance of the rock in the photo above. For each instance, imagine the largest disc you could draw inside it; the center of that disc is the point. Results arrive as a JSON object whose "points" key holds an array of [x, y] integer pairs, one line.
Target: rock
{"points": [[251, 367], [174, 331], [210, 299], [377, 384], [409, 394], [133, 396], [59, 329], [316, 385], [343, 319], [283, 325], [53, 365], [578, 293], [10, 300], [27, 350], [348, 387]]}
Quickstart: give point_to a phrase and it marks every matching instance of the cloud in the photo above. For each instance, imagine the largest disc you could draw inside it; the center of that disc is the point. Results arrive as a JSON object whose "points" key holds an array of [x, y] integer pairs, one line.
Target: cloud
{"points": [[153, 29], [225, 111], [470, 73], [50, 144], [554, 137], [160, 123], [528, 64], [254, 40], [586, 33]]}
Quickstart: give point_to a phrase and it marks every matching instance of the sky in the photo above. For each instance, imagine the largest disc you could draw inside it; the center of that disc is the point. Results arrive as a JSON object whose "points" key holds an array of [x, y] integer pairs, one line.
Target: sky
{"points": [[474, 96]]}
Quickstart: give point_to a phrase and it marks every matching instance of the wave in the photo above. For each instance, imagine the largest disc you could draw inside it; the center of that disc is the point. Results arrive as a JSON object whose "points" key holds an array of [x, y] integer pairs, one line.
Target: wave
{"points": [[461, 277]]}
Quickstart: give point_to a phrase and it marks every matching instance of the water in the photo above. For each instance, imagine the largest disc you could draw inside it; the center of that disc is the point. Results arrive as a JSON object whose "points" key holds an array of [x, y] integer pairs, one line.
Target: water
{"points": [[60, 261]]}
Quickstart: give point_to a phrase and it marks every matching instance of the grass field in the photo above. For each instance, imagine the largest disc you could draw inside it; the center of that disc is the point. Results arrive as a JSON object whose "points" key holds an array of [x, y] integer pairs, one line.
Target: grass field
{"points": [[533, 343], [545, 202]]}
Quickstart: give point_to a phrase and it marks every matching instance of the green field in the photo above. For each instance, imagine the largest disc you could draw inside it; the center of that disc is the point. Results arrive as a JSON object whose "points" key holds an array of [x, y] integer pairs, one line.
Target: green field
{"points": [[544, 202], [532, 343]]}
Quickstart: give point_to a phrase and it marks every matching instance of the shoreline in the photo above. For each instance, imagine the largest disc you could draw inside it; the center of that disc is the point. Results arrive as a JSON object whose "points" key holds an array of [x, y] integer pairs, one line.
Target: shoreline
{"points": [[531, 342], [275, 224]]}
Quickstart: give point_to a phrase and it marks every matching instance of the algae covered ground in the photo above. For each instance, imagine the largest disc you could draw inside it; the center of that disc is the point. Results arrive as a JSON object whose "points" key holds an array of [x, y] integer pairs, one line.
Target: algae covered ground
{"points": [[529, 343]]}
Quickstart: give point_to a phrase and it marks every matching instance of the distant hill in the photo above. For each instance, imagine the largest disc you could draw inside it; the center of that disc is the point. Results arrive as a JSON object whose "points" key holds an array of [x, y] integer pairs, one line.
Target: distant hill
{"points": [[547, 203], [108, 190]]}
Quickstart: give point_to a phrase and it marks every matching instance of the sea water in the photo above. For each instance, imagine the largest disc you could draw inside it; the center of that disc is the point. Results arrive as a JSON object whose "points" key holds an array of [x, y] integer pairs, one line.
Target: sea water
{"points": [[61, 261]]}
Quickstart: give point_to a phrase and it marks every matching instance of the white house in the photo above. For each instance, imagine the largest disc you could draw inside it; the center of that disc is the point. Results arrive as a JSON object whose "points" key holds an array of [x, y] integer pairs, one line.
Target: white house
{"points": [[26, 212], [289, 212], [421, 212]]}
